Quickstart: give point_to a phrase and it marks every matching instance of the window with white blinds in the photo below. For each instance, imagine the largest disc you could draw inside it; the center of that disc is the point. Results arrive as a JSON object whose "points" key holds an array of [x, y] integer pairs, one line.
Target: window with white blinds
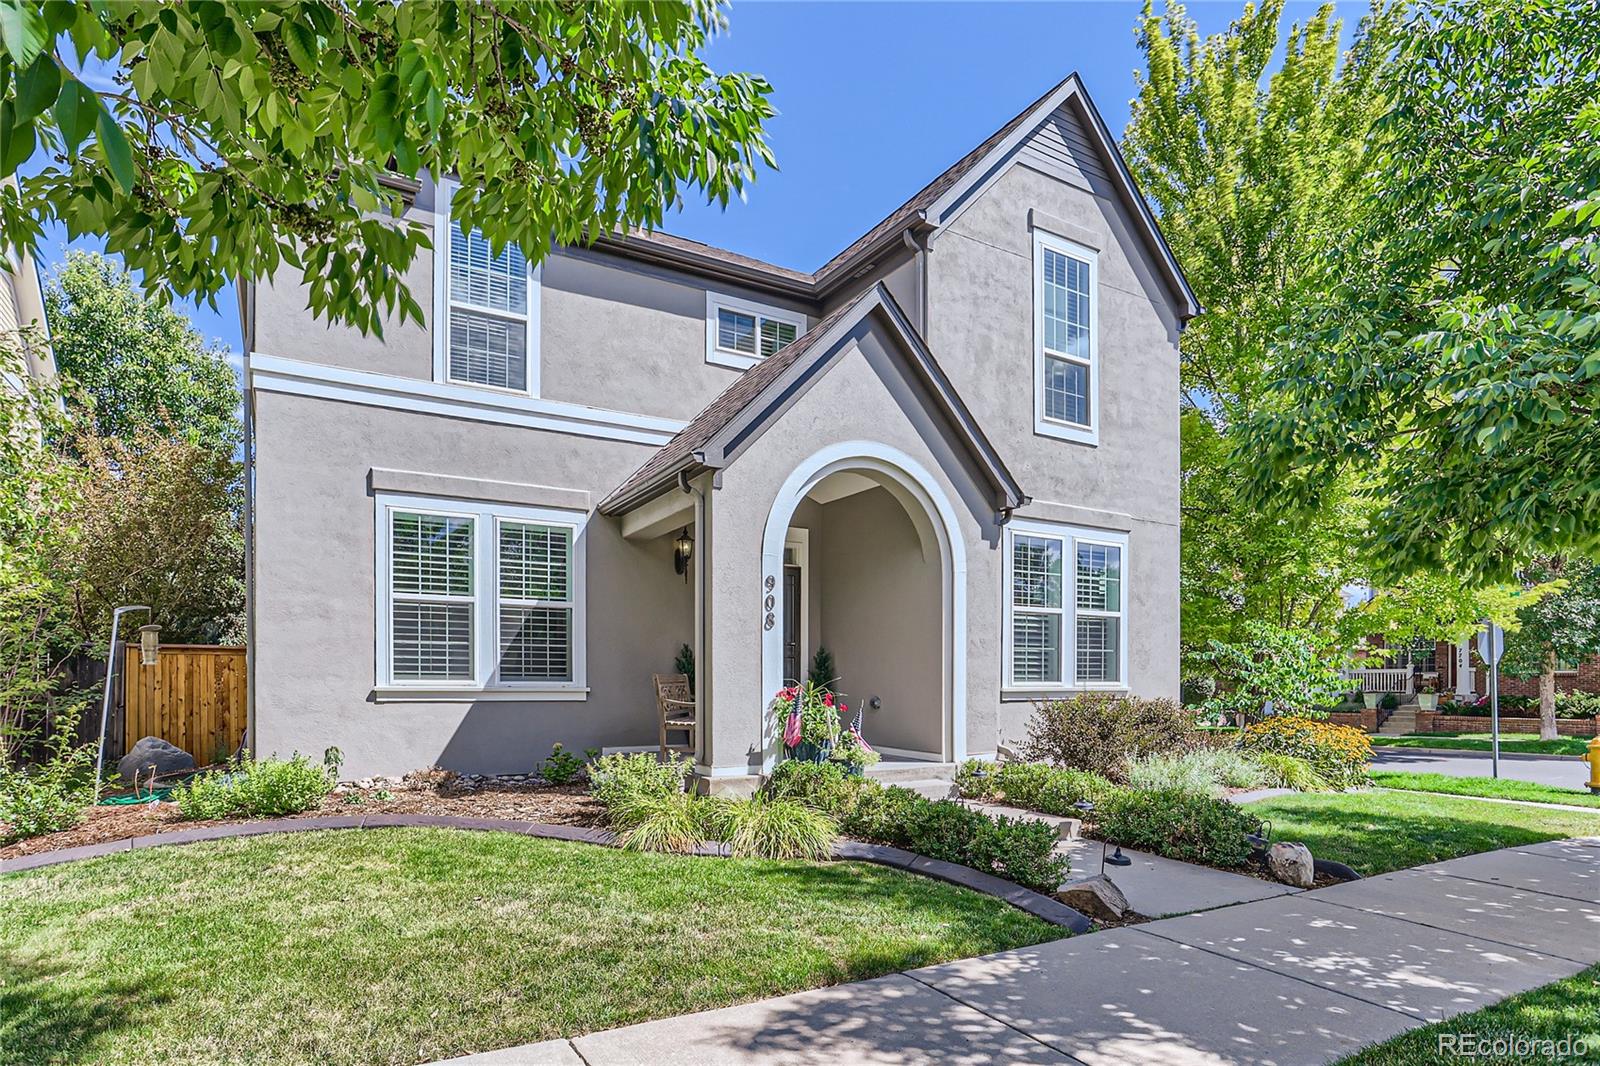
{"points": [[1066, 377], [479, 597], [740, 333], [1066, 612], [487, 309]]}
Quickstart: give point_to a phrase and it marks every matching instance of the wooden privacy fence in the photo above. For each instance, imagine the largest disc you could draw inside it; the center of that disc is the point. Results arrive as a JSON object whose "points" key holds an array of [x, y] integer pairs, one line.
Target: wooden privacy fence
{"points": [[193, 698]]}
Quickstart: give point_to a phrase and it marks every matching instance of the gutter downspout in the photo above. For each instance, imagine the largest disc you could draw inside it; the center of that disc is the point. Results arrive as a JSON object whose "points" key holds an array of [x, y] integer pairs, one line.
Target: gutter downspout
{"points": [[702, 596], [247, 322]]}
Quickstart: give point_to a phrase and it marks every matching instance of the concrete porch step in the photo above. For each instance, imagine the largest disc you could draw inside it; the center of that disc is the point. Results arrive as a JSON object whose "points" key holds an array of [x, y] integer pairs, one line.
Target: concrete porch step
{"points": [[930, 789], [1066, 828], [890, 771]]}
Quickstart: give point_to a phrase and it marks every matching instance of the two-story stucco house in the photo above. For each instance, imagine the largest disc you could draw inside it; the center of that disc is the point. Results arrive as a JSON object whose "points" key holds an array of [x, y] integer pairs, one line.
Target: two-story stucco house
{"points": [[950, 455]]}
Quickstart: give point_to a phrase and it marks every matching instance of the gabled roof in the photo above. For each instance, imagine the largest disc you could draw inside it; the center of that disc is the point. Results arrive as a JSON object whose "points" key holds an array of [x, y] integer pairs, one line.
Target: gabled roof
{"points": [[929, 206], [749, 405]]}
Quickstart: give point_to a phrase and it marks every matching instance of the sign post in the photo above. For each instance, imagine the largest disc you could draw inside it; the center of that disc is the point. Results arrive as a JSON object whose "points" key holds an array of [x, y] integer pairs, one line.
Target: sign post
{"points": [[1492, 645]]}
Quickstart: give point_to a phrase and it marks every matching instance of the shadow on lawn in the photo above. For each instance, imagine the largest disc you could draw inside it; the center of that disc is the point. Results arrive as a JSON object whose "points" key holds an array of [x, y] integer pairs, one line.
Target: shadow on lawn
{"points": [[1374, 842], [47, 1016]]}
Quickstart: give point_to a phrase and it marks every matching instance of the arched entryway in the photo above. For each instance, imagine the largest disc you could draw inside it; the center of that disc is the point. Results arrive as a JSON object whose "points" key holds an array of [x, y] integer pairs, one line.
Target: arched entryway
{"points": [[917, 668]]}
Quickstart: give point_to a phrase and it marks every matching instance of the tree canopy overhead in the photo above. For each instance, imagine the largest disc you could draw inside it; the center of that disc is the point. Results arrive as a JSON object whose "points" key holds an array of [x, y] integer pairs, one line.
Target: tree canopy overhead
{"points": [[1452, 349], [206, 141]]}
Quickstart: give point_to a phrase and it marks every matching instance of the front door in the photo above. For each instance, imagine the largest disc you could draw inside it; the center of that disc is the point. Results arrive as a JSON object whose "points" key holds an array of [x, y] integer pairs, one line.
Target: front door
{"points": [[791, 625]]}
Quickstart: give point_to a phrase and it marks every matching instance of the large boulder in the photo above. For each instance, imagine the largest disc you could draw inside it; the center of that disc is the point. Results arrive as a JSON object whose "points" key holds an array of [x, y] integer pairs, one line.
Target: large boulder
{"points": [[153, 755], [1292, 864], [1098, 897]]}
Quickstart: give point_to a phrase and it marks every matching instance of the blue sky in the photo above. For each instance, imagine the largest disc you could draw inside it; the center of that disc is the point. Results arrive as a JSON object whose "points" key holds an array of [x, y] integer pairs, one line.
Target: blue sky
{"points": [[875, 99]]}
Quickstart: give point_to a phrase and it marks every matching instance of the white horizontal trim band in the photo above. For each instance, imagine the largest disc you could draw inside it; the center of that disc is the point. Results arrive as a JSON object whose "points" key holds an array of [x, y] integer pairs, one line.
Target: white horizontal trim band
{"points": [[274, 373]]}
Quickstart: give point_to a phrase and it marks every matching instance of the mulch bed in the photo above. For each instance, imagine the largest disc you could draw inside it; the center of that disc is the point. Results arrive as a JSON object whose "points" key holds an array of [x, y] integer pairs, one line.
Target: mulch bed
{"points": [[419, 794]]}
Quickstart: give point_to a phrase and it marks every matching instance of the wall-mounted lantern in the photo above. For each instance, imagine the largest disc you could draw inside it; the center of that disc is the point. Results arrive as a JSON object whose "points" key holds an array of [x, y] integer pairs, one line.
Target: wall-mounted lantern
{"points": [[149, 644], [682, 552]]}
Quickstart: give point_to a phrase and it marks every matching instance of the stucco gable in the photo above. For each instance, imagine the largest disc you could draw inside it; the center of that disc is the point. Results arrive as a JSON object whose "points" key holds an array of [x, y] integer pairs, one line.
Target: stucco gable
{"points": [[758, 399]]}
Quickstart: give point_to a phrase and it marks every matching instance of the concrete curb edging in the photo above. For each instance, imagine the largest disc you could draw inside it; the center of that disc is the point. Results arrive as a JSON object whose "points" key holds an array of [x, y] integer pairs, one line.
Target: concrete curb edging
{"points": [[1040, 906], [1484, 752]]}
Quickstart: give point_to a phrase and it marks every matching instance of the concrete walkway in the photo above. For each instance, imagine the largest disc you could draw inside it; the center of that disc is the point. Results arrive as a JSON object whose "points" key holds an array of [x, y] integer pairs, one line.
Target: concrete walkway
{"points": [[1298, 979], [1561, 770]]}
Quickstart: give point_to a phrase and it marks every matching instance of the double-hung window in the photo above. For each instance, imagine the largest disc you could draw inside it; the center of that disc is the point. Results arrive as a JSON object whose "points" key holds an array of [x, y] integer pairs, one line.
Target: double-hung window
{"points": [[479, 597], [740, 333], [1066, 607], [1066, 371], [486, 309]]}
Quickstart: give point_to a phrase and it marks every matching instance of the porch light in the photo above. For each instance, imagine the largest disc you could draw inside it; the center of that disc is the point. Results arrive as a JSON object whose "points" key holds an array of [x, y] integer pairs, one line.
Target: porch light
{"points": [[682, 552], [149, 644]]}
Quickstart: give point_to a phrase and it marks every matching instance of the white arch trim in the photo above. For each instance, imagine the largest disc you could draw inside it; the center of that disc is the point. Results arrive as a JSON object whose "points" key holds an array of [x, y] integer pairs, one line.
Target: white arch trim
{"points": [[935, 518]]}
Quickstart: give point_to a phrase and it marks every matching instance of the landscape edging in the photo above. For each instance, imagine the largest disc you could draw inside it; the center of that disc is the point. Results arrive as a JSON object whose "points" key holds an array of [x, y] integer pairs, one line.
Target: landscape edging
{"points": [[1040, 906]]}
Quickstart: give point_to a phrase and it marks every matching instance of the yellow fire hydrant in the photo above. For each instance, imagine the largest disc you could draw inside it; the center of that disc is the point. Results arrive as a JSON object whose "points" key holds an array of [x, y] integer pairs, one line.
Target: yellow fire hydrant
{"points": [[1593, 759]]}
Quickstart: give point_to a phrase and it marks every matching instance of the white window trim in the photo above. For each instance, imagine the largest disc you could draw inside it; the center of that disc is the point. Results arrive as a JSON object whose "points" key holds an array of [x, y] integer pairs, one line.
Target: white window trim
{"points": [[442, 305], [1071, 537], [716, 301], [1053, 427], [486, 614]]}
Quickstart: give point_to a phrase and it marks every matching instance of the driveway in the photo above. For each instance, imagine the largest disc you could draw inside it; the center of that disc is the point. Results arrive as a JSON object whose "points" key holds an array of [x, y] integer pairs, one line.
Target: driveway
{"points": [[1543, 769], [1304, 978]]}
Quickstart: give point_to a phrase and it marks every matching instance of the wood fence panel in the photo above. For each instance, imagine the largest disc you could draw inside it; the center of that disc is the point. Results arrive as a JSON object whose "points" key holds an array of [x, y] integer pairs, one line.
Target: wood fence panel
{"points": [[193, 698]]}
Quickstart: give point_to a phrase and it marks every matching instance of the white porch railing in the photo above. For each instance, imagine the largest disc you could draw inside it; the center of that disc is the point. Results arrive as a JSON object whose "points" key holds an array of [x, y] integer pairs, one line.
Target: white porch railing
{"points": [[1396, 679]]}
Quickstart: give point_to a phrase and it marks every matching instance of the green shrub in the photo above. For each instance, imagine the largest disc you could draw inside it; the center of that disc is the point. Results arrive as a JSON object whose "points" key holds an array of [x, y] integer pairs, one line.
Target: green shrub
{"points": [[1286, 771], [822, 786], [1202, 772], [1020, 850], [765, 828], [1036, 786], [614, 779], [1389, 702], [1100, 732], [1577, 704], [1179, 825], [670, 822], [563, 767], [1338, 753], [268, 788], [49, 796]]}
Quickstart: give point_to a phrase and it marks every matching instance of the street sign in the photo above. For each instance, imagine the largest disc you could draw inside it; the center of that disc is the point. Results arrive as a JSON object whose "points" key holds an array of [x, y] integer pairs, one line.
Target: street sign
{"points": [[1492, 645], [1491, 648]]}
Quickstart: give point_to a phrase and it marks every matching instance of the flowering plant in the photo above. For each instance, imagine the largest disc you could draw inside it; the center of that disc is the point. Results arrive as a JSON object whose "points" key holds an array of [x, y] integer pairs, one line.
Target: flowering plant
{"points": [[807, 715]]}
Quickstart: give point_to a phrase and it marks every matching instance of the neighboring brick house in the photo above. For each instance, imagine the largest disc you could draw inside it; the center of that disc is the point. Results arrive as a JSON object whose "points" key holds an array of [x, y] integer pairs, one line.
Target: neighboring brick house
{"points": [[1461, 675]]}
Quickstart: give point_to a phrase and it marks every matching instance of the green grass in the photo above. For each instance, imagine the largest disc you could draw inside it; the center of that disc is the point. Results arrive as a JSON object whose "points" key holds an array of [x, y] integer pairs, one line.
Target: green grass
{"points": [[1566, 1010], [1376, 832], [410, 945], [1517, 743], [1503, 788]]}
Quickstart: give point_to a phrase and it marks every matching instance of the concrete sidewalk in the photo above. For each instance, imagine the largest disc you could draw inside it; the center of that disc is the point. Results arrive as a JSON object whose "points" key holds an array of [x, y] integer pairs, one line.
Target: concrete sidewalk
{"points": [[1302, 978]]}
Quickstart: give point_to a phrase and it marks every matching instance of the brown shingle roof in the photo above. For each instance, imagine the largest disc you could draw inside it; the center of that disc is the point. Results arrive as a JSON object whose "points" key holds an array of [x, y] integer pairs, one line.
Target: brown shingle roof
{"points": [[679, 452]]}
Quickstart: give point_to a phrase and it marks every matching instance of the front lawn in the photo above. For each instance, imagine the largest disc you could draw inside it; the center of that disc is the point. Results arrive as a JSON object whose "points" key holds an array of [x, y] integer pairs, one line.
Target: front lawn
{"points": [[1567, 1010], [1502, 788], [410, 945], [1376, 832], [1515, 743]]}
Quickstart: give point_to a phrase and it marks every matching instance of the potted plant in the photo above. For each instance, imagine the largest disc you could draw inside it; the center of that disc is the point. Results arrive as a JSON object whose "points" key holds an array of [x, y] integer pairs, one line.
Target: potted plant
{"points": [[852, 751], [1428, 693], [1370, 699], [807, 721]]}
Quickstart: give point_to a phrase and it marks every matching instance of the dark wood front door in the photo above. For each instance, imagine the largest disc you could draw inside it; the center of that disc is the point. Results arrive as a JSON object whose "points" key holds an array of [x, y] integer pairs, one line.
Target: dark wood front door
{"points": [[791, 625]]}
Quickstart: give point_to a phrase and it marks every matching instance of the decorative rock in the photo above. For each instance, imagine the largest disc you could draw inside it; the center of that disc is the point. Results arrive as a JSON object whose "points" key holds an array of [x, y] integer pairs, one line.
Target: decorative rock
{"points": [[1096, 896], [1292, 864], [153, 755]]}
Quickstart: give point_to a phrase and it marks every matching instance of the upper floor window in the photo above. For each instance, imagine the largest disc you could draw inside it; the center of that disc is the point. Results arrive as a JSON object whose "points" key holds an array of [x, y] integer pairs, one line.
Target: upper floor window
{"points": [[486, 309], [740, 333], [1066, 371], [1066, 607], [479, 597]]}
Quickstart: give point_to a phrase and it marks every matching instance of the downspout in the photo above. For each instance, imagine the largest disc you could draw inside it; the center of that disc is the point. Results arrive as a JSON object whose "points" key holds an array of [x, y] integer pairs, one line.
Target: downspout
{"points": [[247, 316], [702, 595]]}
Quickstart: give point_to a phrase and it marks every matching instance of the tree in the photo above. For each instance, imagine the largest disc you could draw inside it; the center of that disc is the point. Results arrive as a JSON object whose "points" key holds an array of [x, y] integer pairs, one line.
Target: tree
{"points": [[1562, 626], [1449, 345], [239, 138], [138, 364], [156, 521], [1251, 177], [1283, 667]]}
